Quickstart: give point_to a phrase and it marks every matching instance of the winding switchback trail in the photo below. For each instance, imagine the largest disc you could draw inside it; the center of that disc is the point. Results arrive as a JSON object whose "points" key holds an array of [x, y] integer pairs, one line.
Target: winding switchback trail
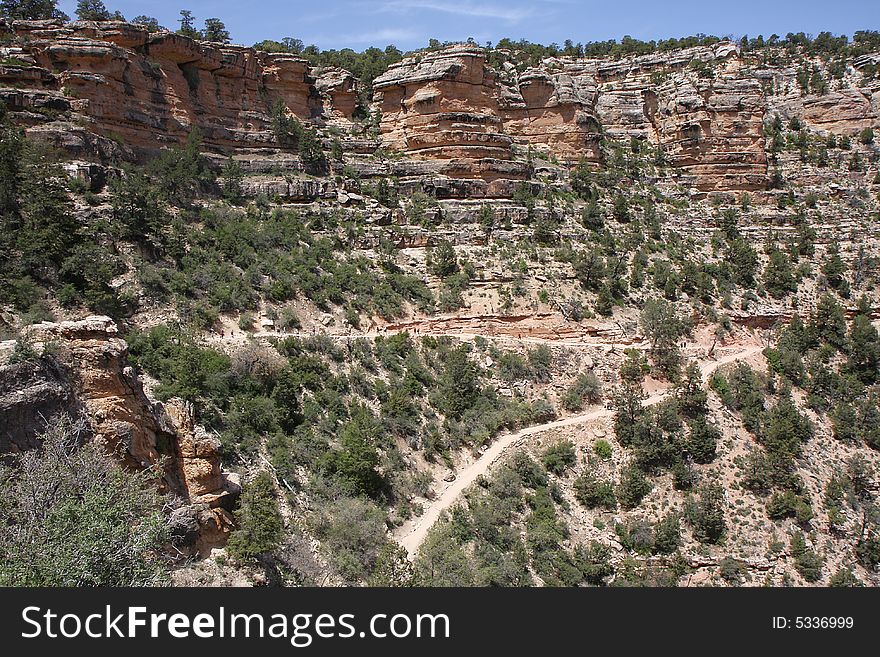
{"points": [[412, 534]]}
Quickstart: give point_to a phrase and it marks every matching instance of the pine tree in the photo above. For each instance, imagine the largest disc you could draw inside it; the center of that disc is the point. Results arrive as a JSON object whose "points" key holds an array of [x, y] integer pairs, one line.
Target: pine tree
{"points": [[706, 514], [215, 31], [92, 10], [869, 421], [664, 329], [442, 260], [778, 276], [458, 386], [633, 487], [829, 322], [355, 464], [864, 350], [148, 22], [691, 395], [834, 270], [703, 440], [49, 225], [187, 24], [11, 145]]}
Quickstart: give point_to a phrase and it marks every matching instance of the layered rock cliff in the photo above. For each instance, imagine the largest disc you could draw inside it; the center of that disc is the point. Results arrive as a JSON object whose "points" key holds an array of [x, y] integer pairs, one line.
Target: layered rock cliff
{"points": [[147, 89], [462, 113], [446, 105]]}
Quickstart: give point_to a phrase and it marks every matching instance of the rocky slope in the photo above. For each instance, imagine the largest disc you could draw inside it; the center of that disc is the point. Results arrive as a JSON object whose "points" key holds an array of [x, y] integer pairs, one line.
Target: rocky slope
{"points": [[560, 197]]}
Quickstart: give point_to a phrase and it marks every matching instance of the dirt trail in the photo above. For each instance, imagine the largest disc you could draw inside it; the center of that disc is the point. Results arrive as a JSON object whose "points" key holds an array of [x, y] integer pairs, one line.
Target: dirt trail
{"points": [[586, 340], [500, 328], [412, 533]]}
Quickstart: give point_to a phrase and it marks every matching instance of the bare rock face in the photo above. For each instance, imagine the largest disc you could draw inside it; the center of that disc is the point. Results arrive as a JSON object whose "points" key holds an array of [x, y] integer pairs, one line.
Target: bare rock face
{"points": [[29, 393], [88, 373], [714, 132], [841, 112], [111, 90], [148, 89], [699, 105], [442, 105], [340, 90], [451, 105], [554, 108]]}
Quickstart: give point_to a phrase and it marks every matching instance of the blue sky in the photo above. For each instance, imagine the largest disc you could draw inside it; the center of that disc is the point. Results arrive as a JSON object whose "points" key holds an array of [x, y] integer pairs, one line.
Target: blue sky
{"points": [[410, 23]]}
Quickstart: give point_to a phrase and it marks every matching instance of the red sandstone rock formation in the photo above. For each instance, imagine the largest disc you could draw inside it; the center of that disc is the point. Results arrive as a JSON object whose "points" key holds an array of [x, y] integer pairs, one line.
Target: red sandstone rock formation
{"points": [[142, 432], [450, 104], [148, 89], [465, 127]]}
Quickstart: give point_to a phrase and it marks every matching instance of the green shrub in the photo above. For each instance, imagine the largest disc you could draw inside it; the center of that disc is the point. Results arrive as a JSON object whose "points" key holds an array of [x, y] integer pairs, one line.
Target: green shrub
{"points": [[586, 388], [355, 463], [667, 534], [636, 535], [352, 531], [844, 577], [788, 504], [702, 440], [807, 562], [73, 517], [732, 570], [442, 562], [246, 322], [559, 457], [540, 359], [593, 493], [633, 487], [706, 513], [603, 449]]}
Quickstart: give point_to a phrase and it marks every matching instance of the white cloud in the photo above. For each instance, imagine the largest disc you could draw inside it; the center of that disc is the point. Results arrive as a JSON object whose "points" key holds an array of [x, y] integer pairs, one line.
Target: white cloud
{"points": [[473, 9], [386, 36]]}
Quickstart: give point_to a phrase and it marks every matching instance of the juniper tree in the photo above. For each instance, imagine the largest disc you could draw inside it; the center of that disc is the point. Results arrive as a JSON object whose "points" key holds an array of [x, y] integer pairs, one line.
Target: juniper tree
{"points": [[259, 521]]}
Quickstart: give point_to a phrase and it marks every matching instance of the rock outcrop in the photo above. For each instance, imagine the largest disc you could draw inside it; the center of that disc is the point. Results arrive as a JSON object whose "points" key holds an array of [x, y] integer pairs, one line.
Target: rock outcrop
{"points": [[31, 392], [843, 112], [85, 372]]}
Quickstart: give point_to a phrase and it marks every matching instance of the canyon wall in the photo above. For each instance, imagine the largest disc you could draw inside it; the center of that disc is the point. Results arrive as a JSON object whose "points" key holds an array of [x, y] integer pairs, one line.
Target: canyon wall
{"points": [[450, 105], [465, 127]]}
